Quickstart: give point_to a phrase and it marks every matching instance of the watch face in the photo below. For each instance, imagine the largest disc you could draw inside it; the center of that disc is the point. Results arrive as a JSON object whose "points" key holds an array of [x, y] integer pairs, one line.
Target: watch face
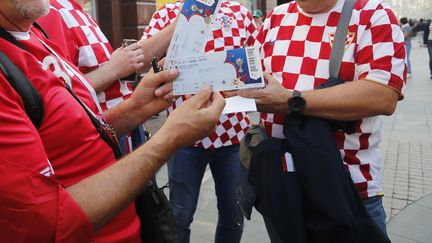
{"points": [[297, 104]]}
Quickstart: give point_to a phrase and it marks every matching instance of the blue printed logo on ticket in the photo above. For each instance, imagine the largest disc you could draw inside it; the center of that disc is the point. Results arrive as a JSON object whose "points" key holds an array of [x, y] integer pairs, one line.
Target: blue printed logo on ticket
{"points": [[203, 8]]}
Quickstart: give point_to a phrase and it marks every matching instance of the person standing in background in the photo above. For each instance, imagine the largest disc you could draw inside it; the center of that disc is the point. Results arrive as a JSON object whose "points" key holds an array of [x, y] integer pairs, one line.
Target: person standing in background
{"points": [[407, 31], [258, 17], [233, 27], [84, 44], [427, 41]]}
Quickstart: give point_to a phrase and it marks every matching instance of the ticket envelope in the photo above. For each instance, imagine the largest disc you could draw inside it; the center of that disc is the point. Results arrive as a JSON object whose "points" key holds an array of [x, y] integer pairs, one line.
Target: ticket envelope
{"points": [[226, 70], [192, 30]]}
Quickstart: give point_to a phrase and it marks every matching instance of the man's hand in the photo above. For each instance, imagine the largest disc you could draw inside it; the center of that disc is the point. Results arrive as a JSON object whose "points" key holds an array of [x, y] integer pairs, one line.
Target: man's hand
{"points": [[104, 194], [123, 62], [154, 93], [194, 119], [271, 99], [150, 97], [126, 60]]}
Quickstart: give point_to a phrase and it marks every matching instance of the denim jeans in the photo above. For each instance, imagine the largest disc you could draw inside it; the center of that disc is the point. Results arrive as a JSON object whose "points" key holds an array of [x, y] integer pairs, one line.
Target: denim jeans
{"points": [[408, 49], [376, 210], [429, 46], [186, 170]]}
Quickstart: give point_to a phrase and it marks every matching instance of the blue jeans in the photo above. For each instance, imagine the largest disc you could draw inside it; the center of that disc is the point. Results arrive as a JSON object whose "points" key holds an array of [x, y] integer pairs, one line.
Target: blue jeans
{"points": [[429, 46], [376, 210], [408, 49], [186, 170], [138, 138]]}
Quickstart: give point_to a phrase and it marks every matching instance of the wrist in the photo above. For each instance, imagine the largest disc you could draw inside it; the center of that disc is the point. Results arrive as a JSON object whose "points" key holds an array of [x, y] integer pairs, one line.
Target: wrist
{"points": [[166, 140], [111, 71], [297, 103], [155, 152], [135, 110], [124, 117]]}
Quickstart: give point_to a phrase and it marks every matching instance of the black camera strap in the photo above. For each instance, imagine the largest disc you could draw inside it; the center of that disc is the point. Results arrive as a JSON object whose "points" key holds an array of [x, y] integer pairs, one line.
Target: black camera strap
{"points": [[105, 130]]}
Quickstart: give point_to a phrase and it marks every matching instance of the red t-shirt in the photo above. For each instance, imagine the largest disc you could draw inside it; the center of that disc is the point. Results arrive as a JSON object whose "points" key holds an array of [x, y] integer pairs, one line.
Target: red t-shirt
{"points": [[66, 138]]}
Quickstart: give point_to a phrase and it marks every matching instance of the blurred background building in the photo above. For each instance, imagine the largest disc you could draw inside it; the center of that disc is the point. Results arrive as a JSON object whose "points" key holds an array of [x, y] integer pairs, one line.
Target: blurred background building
{"points": [[412, 9], [121, 19]]}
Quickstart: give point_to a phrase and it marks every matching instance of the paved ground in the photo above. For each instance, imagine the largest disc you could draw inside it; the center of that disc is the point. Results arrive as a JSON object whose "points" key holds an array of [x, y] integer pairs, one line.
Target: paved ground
{"points": [[407, 175], [407, 152]]}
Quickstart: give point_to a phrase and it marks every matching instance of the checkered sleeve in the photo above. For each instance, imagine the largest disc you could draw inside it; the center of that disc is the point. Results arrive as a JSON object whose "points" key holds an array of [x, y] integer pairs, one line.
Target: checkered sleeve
{"points": [[160, 19], [250, 26], [381, 51]]}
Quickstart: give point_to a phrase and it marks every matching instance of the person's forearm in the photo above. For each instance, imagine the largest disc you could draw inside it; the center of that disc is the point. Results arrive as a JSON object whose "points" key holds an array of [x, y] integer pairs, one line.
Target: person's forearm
{"points": [[125, 117], [351, 101], [157, 45], [105, 194], [102, 77]]}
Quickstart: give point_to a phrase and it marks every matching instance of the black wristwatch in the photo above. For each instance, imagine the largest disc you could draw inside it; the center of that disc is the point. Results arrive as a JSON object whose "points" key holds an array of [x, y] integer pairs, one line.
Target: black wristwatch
{"points": [[296, 103]]}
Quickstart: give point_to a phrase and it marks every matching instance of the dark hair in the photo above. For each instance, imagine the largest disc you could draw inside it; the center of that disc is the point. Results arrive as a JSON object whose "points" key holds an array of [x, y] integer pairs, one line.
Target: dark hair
{"points": [[403, 20]]}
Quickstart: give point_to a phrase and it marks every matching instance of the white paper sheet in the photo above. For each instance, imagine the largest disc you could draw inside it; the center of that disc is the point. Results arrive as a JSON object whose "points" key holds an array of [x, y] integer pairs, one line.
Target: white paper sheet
{"points": [[239, 104]]}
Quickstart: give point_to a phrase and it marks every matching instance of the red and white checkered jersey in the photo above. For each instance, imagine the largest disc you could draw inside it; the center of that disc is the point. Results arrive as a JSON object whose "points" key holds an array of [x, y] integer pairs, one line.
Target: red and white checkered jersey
{"points": [[86, 45], [233, 28], [295, 47]]}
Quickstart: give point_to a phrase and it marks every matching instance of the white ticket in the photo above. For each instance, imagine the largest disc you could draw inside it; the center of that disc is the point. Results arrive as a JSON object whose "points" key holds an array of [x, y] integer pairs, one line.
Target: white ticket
{"points": [[192, 30], [226, 70]]}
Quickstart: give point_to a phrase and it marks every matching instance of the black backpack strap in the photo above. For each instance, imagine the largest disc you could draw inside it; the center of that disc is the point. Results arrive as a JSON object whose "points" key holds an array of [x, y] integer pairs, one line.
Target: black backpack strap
{"points": [[30, 96], [7, 36]]}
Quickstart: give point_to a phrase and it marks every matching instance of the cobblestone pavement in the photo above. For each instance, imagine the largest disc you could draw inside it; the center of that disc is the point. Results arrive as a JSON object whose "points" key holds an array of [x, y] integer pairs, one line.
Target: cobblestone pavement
{"points": [[406, 150], [407, 144]]}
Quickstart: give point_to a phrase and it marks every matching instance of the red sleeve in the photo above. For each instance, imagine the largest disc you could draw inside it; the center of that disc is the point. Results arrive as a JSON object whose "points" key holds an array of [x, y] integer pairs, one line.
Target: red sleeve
{"points": [[381, 49], [34, 207]]}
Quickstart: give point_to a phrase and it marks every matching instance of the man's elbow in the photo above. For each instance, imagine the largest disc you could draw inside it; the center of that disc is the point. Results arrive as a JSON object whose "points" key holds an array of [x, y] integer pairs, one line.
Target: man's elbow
{"points": [[388, 104], [389, 108]]}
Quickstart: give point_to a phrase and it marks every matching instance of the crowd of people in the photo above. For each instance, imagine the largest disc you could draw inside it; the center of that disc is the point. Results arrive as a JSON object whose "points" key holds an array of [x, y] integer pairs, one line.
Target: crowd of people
{"points": [[63, 181]]}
